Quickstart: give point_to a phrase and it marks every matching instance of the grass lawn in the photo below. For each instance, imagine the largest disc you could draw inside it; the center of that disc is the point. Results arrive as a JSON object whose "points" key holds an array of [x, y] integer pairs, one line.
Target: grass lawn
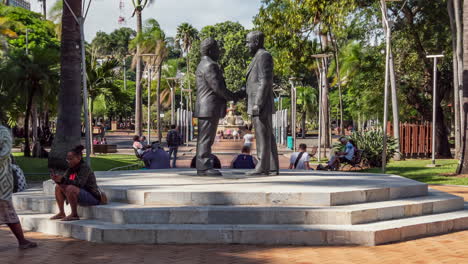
{"points": [[36, 169], [416, 170]]}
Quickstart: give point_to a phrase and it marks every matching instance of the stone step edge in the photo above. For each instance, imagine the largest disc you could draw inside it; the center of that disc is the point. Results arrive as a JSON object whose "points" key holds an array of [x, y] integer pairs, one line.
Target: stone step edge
{"points": [[432, 196], [312, 235], [174, 198], [344, 215]]}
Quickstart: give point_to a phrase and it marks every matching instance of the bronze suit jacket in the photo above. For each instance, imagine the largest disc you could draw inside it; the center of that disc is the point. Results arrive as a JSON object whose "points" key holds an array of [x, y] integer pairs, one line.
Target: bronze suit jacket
{"points": [[212, 94], [260, 83]]}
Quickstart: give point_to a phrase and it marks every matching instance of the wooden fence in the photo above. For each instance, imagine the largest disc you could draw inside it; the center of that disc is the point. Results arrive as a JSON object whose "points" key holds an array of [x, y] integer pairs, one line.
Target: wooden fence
{"points": [[415, 139]]}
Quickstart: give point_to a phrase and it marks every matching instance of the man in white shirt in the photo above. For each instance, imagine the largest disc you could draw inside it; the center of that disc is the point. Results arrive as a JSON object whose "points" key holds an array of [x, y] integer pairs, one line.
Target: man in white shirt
{"points": [[248, 138], [300, 160]]}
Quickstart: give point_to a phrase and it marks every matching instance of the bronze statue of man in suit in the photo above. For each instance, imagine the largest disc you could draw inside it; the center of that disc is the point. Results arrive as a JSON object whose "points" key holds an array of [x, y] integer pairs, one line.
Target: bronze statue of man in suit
{"points": [[212, 96], [261, 105]]}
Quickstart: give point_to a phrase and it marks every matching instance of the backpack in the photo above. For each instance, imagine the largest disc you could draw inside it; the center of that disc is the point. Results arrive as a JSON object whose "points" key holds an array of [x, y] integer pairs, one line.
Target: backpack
{"points": [[18, 178], [173, 139]]}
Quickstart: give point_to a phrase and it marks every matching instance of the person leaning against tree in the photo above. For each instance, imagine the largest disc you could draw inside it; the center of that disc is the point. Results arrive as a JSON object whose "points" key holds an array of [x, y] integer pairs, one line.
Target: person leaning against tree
{"points": [[77, 186], [8, 215]]}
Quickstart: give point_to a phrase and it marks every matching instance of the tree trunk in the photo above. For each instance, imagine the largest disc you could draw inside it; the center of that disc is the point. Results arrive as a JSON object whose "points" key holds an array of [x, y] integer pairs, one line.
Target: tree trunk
{"points": [[68, 133], [340, 94], [459, 53], [36, 153], [44, 9], [27, 147], [158, 100], [138, 103], [463, 164], [325, 128], [90, 114], [303, 125], [456, 86]]}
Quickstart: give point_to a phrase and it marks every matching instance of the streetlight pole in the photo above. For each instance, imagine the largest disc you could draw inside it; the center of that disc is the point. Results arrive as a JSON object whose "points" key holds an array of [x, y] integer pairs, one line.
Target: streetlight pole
{"points": [[434, 105], [149, 104], [293, 81], [27, 41]]}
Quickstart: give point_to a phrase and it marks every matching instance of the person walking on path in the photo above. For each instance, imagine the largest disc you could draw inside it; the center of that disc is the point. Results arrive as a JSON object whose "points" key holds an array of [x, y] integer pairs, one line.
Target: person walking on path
{"points": [[174, 140], [300, 160], [77, 186], [8, 215]]}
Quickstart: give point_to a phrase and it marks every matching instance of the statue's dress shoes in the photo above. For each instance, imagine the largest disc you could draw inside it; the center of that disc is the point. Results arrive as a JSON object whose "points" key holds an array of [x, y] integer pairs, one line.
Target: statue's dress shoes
{"points": [[256, 173], [210, 172]]}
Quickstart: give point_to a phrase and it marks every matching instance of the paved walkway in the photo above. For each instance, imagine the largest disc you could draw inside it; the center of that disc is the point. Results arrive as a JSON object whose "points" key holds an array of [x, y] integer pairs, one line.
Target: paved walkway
{"points": [[451, 248]]}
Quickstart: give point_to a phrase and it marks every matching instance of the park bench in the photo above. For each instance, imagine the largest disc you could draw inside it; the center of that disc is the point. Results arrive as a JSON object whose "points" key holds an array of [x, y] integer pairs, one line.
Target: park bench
{"points": [[355, 163], [108, 148]]}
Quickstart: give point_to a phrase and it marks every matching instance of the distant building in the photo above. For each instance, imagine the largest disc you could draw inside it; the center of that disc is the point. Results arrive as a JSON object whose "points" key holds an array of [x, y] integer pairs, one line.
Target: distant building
{"points": [[19, 3]]}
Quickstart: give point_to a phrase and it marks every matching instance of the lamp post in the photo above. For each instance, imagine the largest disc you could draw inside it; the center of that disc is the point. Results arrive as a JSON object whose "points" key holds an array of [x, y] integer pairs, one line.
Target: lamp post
{"points": [[434, 105], [172, 83], [293, 81], [321, 62], [389, 77], [80, 20], [149, 103], [27, 40], [188, 121]]}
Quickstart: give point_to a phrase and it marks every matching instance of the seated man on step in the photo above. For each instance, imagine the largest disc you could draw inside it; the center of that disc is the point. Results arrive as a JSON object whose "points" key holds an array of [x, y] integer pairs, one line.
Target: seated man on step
{"points": [[77, 186]]}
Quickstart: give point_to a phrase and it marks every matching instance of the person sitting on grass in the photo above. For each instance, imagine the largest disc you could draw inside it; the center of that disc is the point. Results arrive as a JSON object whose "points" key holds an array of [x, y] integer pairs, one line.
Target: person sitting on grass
{"points": [[345, 156], [77, 186], [244, 160]]}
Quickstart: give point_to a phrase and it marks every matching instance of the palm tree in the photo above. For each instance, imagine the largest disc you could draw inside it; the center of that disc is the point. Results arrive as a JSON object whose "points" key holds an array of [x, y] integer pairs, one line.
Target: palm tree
{"points": [[307, 104], [100, 78], [139, 6], [31, 76], [68, 132], [55, 15], [152, 41], [463, 164], [186, 35]]}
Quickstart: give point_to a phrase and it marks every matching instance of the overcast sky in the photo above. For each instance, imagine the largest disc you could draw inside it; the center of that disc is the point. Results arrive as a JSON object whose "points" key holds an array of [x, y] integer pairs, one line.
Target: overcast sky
{"points": [[104, 14]]}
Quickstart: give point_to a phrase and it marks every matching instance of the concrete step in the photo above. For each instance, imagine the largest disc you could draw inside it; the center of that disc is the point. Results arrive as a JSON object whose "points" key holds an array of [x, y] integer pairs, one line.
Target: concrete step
{"points": [[434, 203], [299, 188], [311, 235]]}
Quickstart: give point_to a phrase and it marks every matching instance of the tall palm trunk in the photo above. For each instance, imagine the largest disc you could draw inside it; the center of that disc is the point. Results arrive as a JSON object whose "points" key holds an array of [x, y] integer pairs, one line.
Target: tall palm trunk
{"points": [[68, 132], [44, 9], [456, 79], [27, 145], [463, 165], [138, 104]]}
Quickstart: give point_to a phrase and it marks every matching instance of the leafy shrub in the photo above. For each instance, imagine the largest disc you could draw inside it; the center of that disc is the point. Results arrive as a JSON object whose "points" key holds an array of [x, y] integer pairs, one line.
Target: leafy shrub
{"points": [[370, 142]]}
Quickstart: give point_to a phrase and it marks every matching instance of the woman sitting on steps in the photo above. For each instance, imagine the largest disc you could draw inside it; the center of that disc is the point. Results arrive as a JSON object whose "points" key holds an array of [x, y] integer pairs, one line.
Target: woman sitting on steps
{"points": [[77, 186]]}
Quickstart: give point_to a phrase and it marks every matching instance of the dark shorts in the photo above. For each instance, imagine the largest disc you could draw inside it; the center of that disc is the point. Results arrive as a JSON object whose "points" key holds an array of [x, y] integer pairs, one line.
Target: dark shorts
{"points": [[85, 198], [344, 160]]}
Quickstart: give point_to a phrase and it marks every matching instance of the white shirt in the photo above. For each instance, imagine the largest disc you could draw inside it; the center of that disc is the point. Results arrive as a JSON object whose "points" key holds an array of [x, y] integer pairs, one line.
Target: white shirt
{"points": [[248, 138], [301, 164]]}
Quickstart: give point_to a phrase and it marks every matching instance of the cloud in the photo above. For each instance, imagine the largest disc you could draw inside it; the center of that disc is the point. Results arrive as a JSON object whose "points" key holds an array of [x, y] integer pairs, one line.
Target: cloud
{"points": [[104, 14]]}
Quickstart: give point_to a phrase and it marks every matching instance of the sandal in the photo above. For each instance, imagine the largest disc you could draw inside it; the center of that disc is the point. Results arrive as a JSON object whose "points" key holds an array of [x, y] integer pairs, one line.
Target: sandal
{"points": [[71, 218], [29, 244], [57, 217]]}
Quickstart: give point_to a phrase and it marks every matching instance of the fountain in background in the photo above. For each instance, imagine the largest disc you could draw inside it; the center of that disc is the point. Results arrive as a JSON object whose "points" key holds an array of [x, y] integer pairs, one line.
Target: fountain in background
{"points": [[231, 121]]}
